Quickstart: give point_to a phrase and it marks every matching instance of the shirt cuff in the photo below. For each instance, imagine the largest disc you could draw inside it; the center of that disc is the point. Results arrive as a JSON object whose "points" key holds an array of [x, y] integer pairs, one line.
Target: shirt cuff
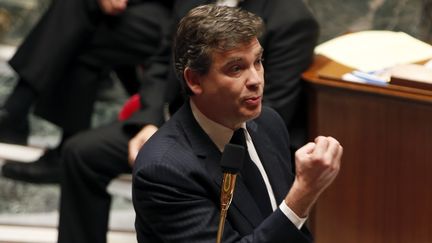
{"points": [[296, 220]]}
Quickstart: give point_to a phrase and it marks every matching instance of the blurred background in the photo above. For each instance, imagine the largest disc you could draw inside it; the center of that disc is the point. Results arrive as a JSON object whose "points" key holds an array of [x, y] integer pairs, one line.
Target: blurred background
{"points": [[32, 208], [24, 203]]}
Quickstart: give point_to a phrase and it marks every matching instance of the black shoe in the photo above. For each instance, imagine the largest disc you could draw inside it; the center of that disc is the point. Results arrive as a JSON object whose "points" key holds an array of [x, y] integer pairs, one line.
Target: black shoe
{"points": [[12, 130], [45, 170]]}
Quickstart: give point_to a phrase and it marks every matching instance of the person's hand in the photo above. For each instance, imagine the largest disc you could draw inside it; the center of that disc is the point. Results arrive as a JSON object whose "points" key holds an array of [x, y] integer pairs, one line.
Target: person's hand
{"points": [[317, 165], [137, 142], [112, 7]]}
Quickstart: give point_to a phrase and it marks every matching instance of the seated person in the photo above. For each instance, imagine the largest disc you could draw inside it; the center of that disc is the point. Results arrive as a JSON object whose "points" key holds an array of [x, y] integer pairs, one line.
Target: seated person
{"points": [[60, 65], [177, 176]]}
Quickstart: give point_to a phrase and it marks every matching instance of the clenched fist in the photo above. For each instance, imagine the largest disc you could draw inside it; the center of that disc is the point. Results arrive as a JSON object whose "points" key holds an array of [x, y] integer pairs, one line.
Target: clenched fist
{"points": [[317, 165]]}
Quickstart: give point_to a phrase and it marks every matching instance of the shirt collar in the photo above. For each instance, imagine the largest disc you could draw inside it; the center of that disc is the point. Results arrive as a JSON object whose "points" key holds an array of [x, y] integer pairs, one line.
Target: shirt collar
{"points": [[219, 134]]}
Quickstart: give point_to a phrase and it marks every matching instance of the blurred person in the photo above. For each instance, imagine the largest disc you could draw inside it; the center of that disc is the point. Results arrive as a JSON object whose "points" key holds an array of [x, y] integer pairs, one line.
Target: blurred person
{"points": [[61, 63]]}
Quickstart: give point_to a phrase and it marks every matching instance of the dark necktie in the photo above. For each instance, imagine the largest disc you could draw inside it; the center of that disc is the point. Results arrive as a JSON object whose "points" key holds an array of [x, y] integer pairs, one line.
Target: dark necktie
{"points": [[252, 177]]}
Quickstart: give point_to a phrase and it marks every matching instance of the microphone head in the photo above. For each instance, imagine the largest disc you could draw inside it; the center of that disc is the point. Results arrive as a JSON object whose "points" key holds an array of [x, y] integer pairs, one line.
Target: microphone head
{"points": [[232, 158]]}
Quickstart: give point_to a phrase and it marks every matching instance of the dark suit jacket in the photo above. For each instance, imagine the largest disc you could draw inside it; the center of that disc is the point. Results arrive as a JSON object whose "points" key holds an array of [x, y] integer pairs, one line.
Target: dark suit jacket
{"points": [[177, 179]]}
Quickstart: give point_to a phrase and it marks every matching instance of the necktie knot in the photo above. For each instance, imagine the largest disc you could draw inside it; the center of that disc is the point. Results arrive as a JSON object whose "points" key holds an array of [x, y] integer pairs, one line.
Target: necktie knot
{"points": [[238, 137]]}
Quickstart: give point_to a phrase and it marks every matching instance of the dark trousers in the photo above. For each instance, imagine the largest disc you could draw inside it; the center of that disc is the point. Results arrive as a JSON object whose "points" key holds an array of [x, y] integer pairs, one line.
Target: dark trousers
{"points": [[90, 160], [65, 54]]}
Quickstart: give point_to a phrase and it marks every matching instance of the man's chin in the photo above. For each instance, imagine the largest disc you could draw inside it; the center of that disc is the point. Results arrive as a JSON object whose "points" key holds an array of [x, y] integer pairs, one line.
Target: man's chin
{"points": [[252, 114]]}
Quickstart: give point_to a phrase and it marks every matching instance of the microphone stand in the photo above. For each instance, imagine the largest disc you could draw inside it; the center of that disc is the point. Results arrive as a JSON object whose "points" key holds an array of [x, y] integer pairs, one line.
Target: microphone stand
{"points": [[227, 193], [232, 161]]}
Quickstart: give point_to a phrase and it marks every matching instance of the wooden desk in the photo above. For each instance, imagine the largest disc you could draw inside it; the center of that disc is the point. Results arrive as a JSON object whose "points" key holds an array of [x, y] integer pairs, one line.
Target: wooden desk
{"points": [[383, 193]]}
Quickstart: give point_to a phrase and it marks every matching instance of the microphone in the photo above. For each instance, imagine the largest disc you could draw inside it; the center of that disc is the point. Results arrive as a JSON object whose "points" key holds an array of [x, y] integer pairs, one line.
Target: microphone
{"points": [[232, 161]]}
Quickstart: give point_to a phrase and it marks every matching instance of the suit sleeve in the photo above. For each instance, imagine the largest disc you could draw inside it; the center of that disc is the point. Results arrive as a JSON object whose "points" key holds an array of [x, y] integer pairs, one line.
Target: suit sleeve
{"points": [[160, 86], [153, 83]]}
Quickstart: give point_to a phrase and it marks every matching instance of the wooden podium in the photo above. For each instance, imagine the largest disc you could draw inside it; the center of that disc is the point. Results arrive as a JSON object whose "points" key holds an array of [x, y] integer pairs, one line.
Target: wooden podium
{"points": [[383, 193]]}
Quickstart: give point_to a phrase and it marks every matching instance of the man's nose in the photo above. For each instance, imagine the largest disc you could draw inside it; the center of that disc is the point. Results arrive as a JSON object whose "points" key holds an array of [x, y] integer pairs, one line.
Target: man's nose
{"points": [[255, 78]]}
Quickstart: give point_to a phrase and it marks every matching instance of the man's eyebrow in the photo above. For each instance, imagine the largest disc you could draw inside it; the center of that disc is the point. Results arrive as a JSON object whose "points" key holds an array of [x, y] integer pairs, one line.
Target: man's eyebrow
{"points": [[260, 53], [237, 59], [232, 60]]}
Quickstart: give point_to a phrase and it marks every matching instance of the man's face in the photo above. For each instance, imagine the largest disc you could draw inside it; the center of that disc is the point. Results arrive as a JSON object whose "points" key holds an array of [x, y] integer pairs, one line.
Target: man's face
{"points": [[231, 92]]}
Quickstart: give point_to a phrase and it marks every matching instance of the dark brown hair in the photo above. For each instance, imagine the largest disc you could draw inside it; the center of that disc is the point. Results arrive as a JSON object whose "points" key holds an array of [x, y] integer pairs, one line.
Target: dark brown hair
{"points": [[207, 28]]}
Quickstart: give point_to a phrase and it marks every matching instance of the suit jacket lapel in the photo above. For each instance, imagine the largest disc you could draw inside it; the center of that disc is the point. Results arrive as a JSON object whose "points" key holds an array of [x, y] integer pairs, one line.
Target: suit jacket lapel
{"points": [[278, 177], [200, 142]]}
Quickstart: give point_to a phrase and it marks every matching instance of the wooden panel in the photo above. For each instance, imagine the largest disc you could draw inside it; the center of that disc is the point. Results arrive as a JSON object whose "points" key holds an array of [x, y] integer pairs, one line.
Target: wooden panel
{"points": [[384, 190]]}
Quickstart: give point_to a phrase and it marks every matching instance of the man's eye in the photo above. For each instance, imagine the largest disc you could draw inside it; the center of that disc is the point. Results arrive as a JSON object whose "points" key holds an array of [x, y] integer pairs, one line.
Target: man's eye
{"points": [[235, 69], [259, 61]]}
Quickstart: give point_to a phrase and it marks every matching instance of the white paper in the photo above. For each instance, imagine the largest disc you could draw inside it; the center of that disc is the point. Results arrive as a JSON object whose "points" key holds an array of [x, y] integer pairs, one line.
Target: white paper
{"points": [[375, 50]]}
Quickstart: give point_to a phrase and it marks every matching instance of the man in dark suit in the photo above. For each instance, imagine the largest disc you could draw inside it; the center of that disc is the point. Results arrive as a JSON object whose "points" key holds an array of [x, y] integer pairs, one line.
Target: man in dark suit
{"points": [[177, 175], [291, 33], [289, 38], [62, 62]]}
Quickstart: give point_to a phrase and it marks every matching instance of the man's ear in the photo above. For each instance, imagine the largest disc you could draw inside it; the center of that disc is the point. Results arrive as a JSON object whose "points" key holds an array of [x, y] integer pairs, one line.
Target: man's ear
{"points": [[193, 80]]}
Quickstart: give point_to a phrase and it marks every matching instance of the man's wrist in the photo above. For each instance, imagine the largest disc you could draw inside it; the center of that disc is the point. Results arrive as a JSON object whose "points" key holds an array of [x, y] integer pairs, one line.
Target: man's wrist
{"points": [[300, 200], [292, 216]]}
